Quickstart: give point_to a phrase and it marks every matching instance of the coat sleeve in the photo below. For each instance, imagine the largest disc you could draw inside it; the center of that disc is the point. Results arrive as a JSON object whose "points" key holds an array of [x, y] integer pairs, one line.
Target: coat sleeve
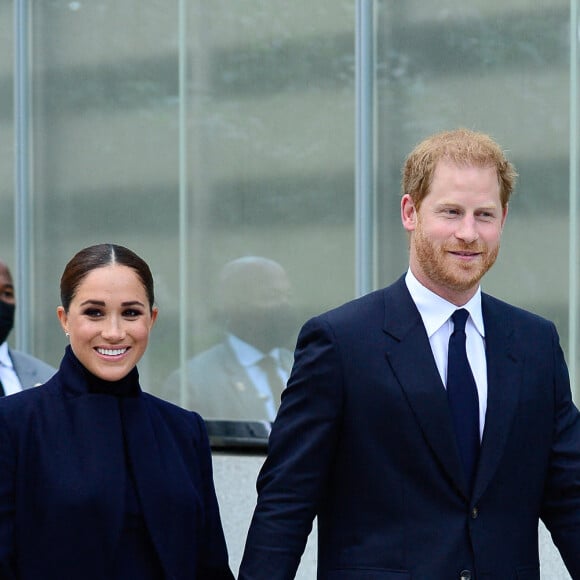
{"points": [[213, 563], [7, 502], [300, 451], [561, 505]]}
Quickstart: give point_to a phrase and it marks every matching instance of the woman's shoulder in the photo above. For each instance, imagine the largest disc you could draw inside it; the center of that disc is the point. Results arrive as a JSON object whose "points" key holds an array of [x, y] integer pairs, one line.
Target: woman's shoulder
{"points": [[172, 410], [26, 397], [18, 409], [177, 420]]}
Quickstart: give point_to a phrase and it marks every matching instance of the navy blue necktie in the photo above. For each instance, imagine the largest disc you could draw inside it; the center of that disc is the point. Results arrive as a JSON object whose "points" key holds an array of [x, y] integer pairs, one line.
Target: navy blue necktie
{"points": [[462, 395]]}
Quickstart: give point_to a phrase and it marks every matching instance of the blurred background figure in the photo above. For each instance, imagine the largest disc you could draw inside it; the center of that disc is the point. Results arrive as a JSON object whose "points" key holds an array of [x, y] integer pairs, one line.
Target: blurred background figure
{"points": [[242, 377], [18, 370]]}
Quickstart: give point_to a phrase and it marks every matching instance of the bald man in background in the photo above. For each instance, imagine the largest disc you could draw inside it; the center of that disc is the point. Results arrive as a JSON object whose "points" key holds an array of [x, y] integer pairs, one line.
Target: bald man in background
{"points": [[242, 377], [18, 370]]}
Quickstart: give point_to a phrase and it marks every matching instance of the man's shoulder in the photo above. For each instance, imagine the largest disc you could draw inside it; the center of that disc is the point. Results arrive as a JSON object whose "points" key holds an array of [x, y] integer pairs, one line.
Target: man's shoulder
{"points": [[213, 365], [28, 358], [216, 351], [371, 303], [28, 366], [214, 359], [492, 306]]}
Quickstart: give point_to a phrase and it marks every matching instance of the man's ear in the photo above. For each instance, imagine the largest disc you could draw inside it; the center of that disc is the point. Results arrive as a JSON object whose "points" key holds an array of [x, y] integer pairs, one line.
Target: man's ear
{"points": [[408, 213], [504, 215]]}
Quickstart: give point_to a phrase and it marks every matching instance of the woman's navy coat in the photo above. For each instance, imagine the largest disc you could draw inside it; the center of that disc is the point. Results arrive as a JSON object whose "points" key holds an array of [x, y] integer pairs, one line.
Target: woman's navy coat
{"points": [[62, 483]]}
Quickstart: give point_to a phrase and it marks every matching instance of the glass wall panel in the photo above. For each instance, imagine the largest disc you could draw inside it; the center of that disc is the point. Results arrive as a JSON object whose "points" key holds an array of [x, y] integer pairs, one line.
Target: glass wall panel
{"points": [[198, 133], [104, 145], [270, 149], [6, 133]]}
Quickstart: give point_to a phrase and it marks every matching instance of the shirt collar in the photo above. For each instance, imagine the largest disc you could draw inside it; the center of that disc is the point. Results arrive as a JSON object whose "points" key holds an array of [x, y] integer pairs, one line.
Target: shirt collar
{"points": [[247, 354], [5, 359], [435, 311]]}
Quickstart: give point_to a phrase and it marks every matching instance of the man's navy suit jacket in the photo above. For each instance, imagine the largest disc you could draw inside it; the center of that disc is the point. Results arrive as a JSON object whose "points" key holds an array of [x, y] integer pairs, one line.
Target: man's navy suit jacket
{"points": [[364, 441]]}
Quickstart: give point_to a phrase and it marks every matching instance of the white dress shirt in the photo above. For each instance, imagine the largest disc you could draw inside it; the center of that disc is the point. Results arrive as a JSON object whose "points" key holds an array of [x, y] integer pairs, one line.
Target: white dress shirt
{"points": [[436, 314], [8, 376]]}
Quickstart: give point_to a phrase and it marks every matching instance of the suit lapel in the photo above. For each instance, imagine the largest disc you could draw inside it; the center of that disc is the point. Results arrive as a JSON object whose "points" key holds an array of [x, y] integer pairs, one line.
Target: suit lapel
{"points": [[25, 373], [247, 402], [503, 386], [411, 359], [410, 356]]}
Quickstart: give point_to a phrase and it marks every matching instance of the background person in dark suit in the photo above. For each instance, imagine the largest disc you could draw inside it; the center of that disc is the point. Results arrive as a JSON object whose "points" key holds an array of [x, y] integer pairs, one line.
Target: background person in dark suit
{"points": [[18, 370], [242, 377], [99, 480], [368, 437]]}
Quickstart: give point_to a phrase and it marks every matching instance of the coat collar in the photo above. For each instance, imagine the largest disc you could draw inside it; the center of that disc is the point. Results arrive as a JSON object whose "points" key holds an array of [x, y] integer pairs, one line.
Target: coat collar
{"points": [[77, 380], [504, 383], [409, 355], [129, 434]]}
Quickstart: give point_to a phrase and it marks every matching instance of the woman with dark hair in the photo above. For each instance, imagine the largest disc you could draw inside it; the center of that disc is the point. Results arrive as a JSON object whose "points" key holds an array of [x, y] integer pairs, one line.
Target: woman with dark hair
{"points": [[99, 480]]}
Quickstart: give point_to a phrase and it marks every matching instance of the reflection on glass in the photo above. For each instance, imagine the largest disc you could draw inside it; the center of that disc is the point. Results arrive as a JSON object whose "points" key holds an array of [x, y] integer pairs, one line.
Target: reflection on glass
{"points": [[234, 117], [242, 377]]}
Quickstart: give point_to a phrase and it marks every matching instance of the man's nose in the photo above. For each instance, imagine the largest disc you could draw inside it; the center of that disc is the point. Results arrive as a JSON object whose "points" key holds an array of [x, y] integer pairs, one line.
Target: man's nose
{"points": [[467, 230]]}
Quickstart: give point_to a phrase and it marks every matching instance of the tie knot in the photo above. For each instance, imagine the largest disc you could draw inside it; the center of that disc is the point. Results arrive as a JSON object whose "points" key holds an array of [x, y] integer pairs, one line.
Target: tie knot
{"points": [[459, 318]]}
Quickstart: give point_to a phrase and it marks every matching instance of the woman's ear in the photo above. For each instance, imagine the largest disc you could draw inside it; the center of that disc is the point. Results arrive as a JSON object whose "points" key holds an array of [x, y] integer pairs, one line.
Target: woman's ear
{"points": [[154, 313], [62, 318]]}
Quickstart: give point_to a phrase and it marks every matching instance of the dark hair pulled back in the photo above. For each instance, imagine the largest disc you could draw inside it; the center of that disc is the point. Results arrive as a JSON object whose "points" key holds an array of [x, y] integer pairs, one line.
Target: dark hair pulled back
{"points": [[99, 256]]}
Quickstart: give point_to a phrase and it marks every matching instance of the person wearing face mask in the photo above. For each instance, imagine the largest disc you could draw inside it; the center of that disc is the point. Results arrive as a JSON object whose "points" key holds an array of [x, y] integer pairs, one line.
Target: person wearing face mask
{"points": [[98, 479], [242, 377], [18, 370]]}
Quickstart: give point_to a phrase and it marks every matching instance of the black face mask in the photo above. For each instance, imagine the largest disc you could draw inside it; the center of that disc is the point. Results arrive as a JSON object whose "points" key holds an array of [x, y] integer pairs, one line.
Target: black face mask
{"points": [[6, 320]]}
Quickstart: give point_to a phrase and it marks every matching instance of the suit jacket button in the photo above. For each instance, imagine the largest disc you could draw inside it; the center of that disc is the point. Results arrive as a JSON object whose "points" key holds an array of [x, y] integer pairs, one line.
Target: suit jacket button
{"points": [[465, 575], [474, 513]]}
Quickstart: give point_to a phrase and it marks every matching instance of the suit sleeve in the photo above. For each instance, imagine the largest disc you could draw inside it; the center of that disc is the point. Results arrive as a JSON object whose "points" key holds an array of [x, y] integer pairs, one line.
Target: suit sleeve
{"points": [[300, 452], [7, 502], [561, 506], [213, 563]]}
